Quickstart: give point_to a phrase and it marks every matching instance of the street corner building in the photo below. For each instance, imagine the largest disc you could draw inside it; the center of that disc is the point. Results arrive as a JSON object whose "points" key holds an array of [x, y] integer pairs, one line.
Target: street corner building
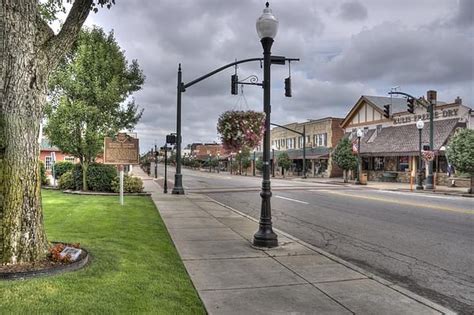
{"points": [[389, 147]]}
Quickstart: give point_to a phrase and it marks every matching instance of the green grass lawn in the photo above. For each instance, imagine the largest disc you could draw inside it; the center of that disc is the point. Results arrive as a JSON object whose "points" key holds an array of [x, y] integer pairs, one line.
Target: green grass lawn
{"points": [[135, 267]]}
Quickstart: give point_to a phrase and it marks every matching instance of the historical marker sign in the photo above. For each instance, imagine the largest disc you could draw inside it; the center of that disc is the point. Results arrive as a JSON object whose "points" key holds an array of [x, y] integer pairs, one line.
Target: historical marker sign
{"points": [[121, 150]]}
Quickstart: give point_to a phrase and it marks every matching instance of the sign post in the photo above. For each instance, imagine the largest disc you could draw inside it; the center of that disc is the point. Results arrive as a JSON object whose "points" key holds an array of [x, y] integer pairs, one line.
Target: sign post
{"points": [[121, 150], [121, 184]]}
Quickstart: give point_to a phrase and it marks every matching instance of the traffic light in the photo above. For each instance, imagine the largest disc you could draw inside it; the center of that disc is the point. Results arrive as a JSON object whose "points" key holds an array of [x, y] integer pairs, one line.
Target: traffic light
{"points": [[234, 84], [288, 87], [386, 111], [411, 105], [171, 139]]}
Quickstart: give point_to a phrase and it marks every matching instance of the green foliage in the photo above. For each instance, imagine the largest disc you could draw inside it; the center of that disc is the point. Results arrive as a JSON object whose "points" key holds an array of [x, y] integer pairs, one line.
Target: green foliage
{"points": [[460, 151], [62, 167], [99, 177], [284, 160], [44, 179], [87, 93], [49, 9], [259, 165], [131, 184], [343, 156], [66, 181]]}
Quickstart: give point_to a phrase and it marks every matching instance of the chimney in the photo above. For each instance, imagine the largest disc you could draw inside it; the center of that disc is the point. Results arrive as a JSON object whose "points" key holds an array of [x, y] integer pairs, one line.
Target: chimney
{"points": [[458, 101]]}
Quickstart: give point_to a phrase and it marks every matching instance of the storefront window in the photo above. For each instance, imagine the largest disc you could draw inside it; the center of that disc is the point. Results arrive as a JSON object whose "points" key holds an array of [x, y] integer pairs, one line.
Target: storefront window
{"points": [[403, 163], [379, 163]]}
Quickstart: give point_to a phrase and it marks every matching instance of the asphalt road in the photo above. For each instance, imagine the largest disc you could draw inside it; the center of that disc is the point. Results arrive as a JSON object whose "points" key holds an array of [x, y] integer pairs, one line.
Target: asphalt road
{"points": [[422, 242]]}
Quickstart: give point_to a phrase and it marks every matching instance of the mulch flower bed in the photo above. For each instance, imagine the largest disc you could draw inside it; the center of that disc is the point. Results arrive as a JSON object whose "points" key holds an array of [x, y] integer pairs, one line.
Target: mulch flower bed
{"points": [[52, 264]]}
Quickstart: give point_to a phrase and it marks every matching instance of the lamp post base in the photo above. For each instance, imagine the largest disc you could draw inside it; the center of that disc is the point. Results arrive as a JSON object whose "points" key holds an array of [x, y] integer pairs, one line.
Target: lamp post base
{"points": [[265, 238], [178, 185], [357, 182]]}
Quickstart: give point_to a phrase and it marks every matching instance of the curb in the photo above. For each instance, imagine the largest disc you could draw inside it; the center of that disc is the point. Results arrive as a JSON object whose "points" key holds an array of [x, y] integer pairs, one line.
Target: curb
{"points": [[93, 193], [349, 265]]}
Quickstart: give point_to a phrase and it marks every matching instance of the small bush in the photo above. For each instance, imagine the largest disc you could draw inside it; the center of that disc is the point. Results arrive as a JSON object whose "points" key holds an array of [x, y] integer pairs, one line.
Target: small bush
{"points": [[62, 167], [44, 179], [99, 177], [130, 184], [66, 181]]}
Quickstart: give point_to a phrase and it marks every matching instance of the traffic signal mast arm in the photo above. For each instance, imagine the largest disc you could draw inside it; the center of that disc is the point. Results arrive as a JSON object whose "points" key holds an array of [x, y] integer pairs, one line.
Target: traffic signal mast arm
{"points": [[417, 100], [275, 60]]}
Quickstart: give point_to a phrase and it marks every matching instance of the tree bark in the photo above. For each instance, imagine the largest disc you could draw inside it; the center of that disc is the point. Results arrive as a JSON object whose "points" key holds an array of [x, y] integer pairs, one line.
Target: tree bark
{"points": [[28, 51]]}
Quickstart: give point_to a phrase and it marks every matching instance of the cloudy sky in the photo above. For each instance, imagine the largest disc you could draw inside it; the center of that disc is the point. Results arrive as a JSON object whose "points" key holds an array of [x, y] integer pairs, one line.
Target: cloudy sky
{"points": [[347, 48]]}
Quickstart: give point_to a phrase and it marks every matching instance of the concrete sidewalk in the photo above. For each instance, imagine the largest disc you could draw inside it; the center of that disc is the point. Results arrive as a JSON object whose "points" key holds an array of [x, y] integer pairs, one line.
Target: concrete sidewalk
{"points": [[233, 277]]}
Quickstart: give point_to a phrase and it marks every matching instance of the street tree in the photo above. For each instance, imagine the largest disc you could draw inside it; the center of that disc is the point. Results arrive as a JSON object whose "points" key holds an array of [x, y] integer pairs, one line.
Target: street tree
{"points": [[29, 51], [87, 92], [460, 153], [344, 158], [284, 162]]}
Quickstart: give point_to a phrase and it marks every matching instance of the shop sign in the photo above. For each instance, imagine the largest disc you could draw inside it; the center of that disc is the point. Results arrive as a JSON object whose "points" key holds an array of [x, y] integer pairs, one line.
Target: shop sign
{"points": [[446, 113]]}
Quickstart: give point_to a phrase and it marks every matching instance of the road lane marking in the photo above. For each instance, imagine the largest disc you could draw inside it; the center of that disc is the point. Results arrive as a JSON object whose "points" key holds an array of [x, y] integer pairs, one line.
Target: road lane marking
{"points": [[405, 203], [303, 202]]}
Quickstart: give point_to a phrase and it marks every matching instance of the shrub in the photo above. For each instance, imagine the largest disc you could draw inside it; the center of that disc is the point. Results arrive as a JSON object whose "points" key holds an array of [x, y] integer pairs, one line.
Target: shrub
{"points": [[44, 179], [130, 184], [99, 177], [66, 181], [62, 167]]}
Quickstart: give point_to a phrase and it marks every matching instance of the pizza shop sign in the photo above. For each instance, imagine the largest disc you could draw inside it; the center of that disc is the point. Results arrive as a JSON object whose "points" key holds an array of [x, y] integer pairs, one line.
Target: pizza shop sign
{"points": [[437, 114]]}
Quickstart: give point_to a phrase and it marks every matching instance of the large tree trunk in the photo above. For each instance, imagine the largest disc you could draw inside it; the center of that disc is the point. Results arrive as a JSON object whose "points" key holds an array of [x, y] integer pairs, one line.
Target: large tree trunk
{"points": [[28, 52], [22, 237]]}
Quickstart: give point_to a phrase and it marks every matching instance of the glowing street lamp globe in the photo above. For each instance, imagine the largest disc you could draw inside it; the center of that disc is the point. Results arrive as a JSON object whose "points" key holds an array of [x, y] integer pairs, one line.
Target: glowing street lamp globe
{"points": [[267, 24]]}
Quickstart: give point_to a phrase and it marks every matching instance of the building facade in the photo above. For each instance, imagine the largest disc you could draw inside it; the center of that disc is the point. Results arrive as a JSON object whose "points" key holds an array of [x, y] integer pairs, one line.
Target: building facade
{"points": [[321, 136], [389, 147], [50, 154]]}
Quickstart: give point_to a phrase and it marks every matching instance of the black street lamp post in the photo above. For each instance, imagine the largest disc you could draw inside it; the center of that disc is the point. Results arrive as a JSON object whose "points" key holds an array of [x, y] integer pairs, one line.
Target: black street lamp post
{"points": [[267, 26], [210, 162], [254, 161], [165, 184], [419, 185], [178, 177], [156, 162], [273, 161], [240, 162], [360, 133]]}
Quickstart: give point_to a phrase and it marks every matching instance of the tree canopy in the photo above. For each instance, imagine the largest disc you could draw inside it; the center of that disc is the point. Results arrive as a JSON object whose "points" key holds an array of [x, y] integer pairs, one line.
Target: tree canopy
{"points": [[284, 160], [343, 156], [460, 151], [87, 93]]}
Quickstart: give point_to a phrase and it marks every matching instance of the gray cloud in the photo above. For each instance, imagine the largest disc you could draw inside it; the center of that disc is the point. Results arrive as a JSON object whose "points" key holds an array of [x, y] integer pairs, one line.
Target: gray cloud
{"points": [[397, 54], [353, 11], [339, 61]]}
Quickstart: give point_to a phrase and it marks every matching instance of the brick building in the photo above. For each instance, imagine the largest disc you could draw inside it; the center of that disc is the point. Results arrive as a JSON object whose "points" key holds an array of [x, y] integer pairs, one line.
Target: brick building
{"points": [[321, 136]]}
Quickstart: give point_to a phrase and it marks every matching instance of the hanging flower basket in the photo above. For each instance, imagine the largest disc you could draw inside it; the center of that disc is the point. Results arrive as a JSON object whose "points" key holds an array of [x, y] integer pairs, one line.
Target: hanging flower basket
{"points": [[427, 155], [241, 129]]}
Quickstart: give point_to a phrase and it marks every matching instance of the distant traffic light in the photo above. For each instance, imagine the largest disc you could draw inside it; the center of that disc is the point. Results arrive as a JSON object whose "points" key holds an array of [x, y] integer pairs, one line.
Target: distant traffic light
{"points": [[234, 84], [386, 111], [170, 139], [288, 87], [411, 105]]}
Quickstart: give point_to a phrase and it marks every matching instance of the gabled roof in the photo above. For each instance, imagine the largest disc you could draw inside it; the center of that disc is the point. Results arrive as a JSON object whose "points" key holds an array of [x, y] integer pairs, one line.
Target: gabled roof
{"points": [[404, 139], [46, 146]]}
